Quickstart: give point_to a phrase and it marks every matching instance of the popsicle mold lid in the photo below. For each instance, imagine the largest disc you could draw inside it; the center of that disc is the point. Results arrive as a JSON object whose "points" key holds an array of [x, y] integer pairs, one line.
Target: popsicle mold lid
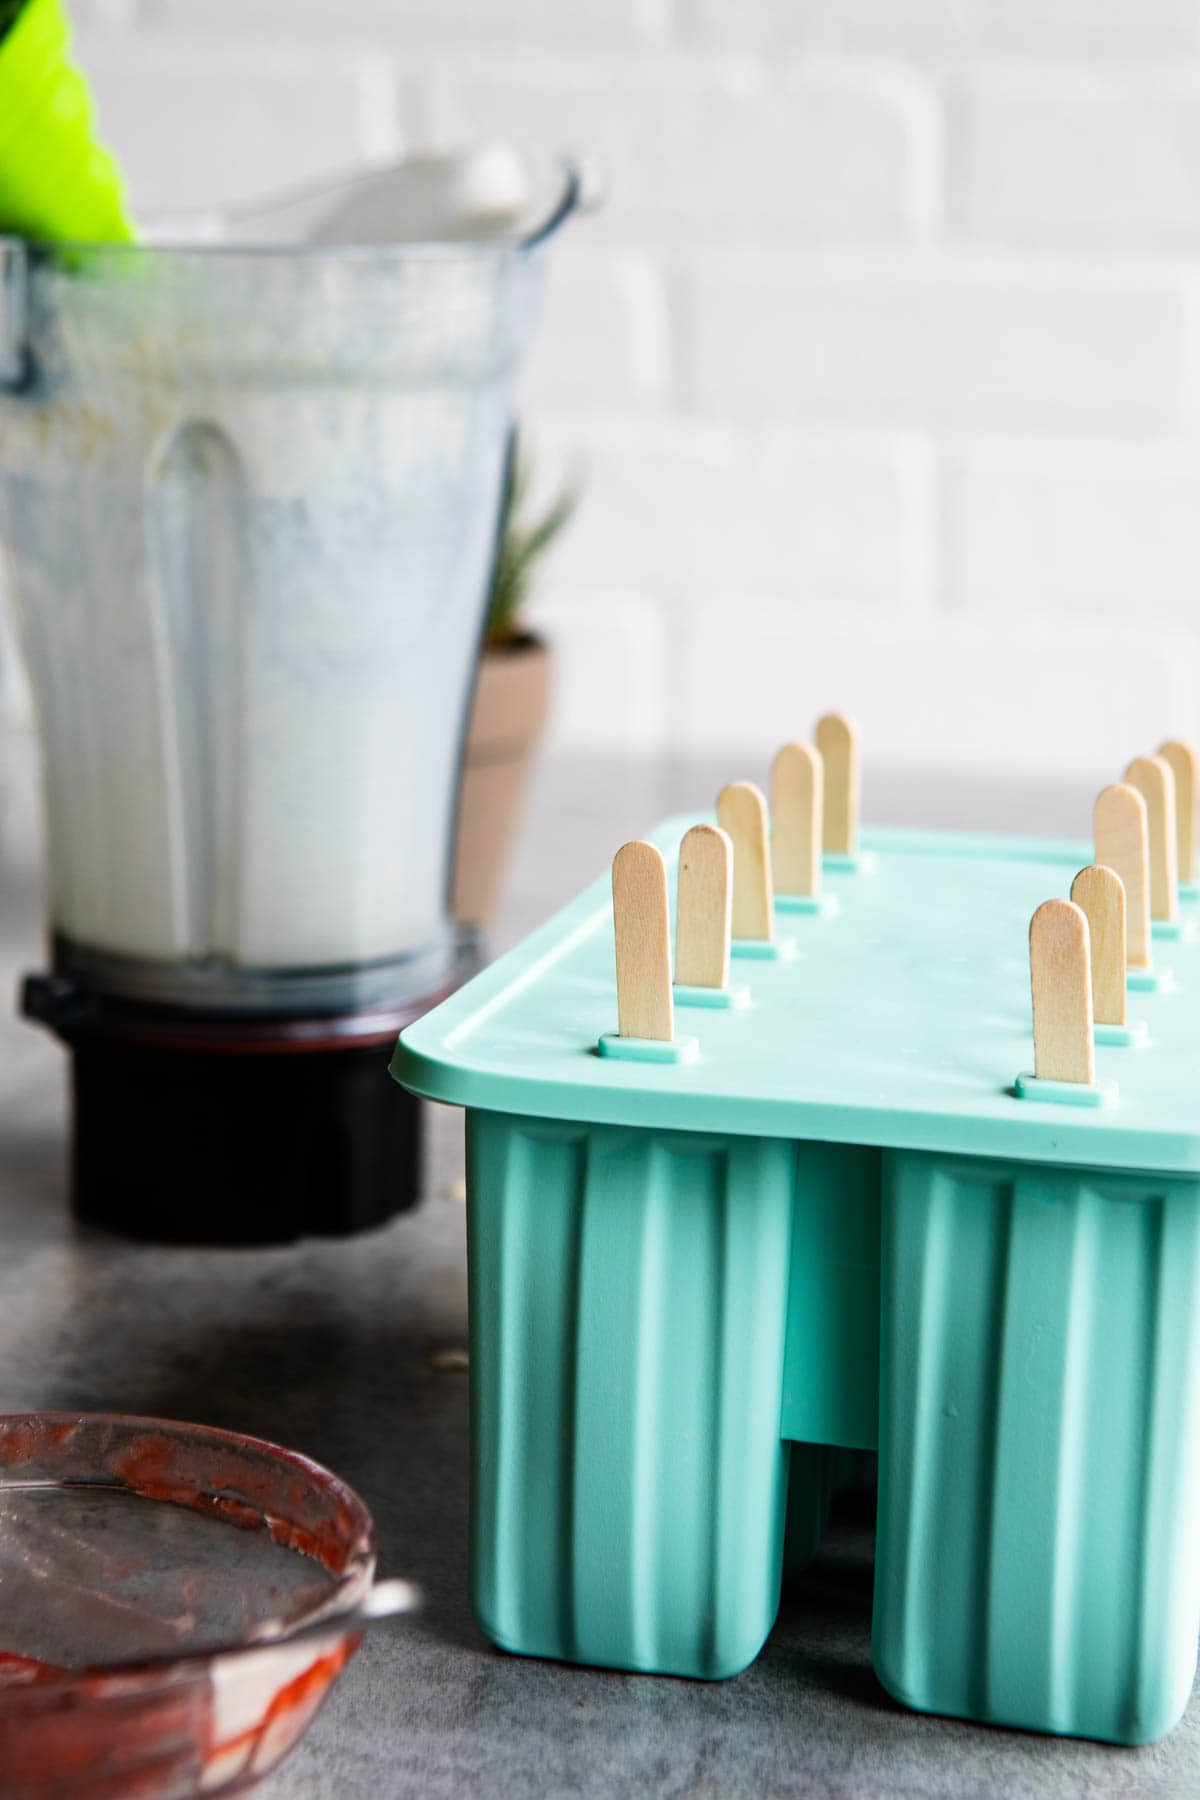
{"points": [[902, 1022]]}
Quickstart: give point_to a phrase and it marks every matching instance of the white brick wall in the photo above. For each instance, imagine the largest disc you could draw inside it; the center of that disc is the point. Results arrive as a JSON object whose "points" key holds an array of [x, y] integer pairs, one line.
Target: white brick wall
{"points": [[192, 133], [935, 340], [1106, 158], [1069, 30], [882, 363], [605, 340], [580, 25], [1036, 530], [993, 683], [717, 151], [694, 512]]}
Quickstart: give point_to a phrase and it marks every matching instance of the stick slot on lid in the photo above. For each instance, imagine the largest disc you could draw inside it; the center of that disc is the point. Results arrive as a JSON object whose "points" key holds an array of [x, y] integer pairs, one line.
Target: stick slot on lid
{"points": [[704, 908], [1181, 759], [1119, 825], [1152, 777]]}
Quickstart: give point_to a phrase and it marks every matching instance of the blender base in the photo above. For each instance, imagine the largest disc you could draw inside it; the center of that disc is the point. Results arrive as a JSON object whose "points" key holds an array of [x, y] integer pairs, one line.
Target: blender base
{"points": [[226, 1131], [225, 1149]]}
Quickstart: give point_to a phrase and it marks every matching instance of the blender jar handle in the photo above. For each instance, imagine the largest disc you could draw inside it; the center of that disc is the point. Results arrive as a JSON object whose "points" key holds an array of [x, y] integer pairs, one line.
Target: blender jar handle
{"points": [[14, 312]]}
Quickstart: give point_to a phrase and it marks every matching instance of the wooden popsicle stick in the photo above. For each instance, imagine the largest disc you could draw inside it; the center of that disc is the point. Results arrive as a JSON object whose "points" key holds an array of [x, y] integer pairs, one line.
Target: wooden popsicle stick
{"points": [[1181, 759], [797, 809], [1100, 893], [704, 908], [742, 812], [1060, 975], [643, 938], [1152, 777], [1119, 824], [837, 740]]}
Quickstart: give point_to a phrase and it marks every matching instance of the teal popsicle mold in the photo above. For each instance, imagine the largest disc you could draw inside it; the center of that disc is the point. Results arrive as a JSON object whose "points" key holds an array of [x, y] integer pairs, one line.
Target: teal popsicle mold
{"points": [[695, 1286]]}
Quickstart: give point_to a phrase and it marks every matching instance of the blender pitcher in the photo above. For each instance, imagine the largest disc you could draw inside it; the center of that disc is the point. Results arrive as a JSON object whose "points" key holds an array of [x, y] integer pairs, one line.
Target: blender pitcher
{"points": [[249, 496]]}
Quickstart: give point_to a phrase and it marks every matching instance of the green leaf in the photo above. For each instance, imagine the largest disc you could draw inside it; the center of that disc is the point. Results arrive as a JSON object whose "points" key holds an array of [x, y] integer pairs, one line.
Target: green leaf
{"points": [[523, 543]]}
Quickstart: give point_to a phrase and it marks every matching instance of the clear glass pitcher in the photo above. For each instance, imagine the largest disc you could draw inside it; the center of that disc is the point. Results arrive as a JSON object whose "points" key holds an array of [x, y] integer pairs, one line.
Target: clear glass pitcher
{"points": [[249, 500]]}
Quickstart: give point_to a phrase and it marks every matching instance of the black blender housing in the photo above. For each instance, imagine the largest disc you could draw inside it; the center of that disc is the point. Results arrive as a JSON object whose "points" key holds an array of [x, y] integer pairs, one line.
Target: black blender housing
{"points": [[225, 1130]]}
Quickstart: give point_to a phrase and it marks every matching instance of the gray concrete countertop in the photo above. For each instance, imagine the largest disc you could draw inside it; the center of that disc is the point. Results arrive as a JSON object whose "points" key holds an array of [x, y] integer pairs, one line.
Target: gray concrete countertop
{"points": [[334, 1348]]}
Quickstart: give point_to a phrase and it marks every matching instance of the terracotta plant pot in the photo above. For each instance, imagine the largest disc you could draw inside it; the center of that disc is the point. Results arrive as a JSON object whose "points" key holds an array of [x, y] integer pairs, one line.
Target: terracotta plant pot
{"points": [[511, 703]]}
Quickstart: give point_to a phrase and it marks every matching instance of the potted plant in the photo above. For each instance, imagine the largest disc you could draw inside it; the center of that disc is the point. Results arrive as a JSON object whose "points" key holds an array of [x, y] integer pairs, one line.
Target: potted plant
{"points": [[511, 700]]}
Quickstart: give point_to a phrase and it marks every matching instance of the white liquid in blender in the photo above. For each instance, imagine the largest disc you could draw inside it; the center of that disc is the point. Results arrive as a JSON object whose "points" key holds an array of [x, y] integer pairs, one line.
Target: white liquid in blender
{"points": [[251, 683]]}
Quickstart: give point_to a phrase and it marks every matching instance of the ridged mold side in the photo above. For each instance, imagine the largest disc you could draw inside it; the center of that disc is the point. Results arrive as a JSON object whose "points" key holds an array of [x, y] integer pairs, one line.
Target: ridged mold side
{"points": [[1037, 1561], [628, 1311]]}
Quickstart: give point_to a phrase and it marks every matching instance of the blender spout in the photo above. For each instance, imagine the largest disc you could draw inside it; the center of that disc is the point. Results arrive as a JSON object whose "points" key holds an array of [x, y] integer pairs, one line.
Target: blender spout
{"points": [[575, 196]]}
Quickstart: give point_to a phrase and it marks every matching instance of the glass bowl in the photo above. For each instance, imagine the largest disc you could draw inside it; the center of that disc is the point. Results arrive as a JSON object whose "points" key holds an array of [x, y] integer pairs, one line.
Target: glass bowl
{"points": [[145, 1568]]}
